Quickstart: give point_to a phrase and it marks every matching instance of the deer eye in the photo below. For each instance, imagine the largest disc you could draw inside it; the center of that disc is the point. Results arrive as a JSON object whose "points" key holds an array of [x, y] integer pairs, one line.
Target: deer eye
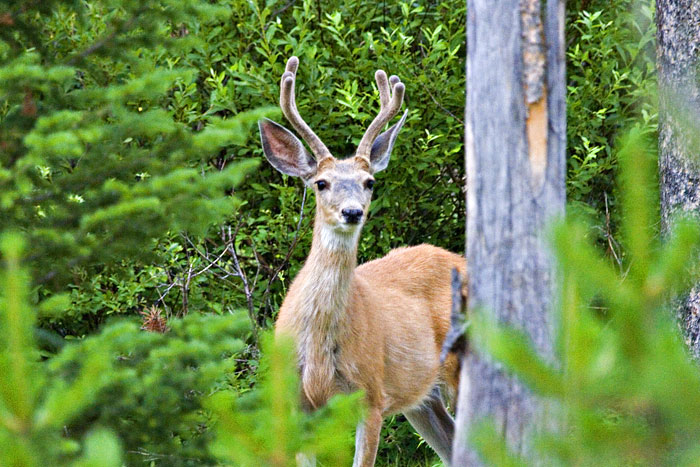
{"points": [[369, 184], [322, 185]]}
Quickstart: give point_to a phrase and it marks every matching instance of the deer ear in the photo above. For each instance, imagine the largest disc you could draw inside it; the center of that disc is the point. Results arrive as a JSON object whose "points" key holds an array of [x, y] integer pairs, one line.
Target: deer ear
{"points": [[284, 150], [382, 146]]}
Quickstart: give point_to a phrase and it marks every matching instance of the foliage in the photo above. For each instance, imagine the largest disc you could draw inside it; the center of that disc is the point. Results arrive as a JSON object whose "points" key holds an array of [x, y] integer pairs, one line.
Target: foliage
{"points": [[33, 407], [95, 159], [228, 74], [627, 387], [267, 427], [611, 74], [418, 198], [123, 124], [153, 398]]}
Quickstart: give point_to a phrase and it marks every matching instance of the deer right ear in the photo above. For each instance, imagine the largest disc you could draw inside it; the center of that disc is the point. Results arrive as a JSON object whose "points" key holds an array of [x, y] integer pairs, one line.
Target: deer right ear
{"points": [[284, 150]]}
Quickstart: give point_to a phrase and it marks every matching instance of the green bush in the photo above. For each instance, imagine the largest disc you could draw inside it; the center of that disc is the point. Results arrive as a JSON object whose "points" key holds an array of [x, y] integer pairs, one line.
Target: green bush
{"points": [[153, 397], [154, 394], [33, 407], [611, 74], [234, 66], [207, 70], [95, 162]]}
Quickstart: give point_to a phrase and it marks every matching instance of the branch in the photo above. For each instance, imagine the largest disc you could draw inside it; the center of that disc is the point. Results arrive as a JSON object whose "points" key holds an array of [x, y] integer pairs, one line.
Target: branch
{"points": [[229, 238], [285, 261], [107, 39]]}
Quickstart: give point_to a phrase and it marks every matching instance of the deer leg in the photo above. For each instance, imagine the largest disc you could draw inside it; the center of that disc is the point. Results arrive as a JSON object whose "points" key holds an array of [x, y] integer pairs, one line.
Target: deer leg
{"points": [[367, 439], [434, 424], [305, 460]]}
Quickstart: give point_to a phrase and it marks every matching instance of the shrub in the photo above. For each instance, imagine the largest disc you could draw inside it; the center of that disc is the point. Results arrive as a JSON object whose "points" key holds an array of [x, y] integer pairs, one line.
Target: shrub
{"points": [[124, 137], [94, 162], [135, 396], [153, 397], [33, 407], [611, 73]]}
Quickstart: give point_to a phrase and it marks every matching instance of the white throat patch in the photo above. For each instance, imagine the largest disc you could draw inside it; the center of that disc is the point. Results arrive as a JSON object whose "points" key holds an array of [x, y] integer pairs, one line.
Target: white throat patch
{"points": [[333, 240]]}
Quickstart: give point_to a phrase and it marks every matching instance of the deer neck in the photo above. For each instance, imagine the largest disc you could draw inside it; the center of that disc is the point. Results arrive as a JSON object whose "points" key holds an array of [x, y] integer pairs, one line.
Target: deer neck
{"points": [[328, 271], [322, 313]]}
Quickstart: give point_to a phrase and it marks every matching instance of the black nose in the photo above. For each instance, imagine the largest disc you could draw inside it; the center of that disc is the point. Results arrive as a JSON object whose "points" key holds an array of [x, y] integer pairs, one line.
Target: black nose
{"points": [[352, 216]]}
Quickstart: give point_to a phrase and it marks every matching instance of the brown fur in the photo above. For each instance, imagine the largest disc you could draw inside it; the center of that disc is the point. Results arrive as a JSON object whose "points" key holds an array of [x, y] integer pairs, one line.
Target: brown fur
{"points": [[378, 327], [394, 323]]}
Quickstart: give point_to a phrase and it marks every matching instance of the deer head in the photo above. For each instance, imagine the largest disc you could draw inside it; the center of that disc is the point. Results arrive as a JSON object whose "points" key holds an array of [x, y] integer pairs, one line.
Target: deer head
{"points": [[343, 187]]}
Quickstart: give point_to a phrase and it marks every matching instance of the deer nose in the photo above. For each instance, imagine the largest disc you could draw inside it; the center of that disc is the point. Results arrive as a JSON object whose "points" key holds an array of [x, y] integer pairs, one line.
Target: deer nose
{"points": [[352, 216]]}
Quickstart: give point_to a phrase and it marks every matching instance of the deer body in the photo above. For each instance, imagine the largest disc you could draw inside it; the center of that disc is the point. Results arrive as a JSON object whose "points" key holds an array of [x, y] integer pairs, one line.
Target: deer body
{"points": [[378, 327]]}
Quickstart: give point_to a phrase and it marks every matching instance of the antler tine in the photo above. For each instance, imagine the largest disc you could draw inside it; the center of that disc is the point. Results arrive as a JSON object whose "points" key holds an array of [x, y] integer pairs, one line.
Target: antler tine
{"points": [[289, 109], [390, 102], [383, 87]]}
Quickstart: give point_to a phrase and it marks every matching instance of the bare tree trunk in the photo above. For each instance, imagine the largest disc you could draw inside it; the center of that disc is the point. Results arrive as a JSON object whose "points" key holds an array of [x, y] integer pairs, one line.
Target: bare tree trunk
{"points": [[678, 61], [515, 155]]}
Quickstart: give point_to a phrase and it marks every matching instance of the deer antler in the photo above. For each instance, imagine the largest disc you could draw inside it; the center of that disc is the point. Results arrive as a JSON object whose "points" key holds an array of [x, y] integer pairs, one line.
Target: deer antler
{"points": [[289, 109], [390, 100]]}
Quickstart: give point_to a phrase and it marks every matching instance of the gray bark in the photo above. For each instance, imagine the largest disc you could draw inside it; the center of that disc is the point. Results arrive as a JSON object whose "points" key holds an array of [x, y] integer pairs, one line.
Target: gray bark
{"points": [[515, 157], [678, 61]]}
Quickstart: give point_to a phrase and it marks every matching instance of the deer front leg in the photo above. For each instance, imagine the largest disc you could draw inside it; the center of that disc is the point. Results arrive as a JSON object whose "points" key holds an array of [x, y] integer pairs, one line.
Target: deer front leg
{"points": [[305, 460], [367, 439]]}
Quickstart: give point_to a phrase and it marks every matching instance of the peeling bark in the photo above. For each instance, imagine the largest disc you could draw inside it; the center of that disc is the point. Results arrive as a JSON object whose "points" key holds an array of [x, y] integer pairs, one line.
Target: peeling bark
{"points": [[678, 61], [515, 138], [536, 125], [535, 89]]}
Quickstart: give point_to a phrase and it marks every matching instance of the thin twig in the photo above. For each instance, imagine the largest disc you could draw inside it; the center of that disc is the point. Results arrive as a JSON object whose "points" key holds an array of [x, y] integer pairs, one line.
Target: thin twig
{"points": [[104, 41], [161, 297], [229, 239], [608, 234], [289, 252], [176, 282], [444, 109], [186, 284], [205, 256], [280, 10]]}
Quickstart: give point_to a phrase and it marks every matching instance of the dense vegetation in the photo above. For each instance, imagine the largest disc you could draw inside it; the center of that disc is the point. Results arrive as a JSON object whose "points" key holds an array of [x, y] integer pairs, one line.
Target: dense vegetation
{"points": [[129, 170]]}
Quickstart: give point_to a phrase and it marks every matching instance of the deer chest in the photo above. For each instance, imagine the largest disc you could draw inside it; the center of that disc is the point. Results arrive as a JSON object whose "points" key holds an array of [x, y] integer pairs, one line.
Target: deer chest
{"points": [[323, 374]]}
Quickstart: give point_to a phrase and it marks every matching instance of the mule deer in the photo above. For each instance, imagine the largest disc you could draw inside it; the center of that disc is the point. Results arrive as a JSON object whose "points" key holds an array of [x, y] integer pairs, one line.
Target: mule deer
{"points": [[378, 327]]}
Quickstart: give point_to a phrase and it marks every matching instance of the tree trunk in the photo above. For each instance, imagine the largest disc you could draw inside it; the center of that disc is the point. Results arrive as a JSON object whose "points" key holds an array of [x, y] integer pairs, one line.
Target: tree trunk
{"points": [[515, 157], [678, 61]]}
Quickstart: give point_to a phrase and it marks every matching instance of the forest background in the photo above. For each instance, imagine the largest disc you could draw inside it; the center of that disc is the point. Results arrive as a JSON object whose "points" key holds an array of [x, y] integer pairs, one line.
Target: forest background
{"points": [[132, 196]]}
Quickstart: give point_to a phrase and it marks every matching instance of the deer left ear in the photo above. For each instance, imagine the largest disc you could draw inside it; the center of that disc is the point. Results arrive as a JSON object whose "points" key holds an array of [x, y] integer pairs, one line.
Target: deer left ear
{"points": [[381, 148], [284, 150]]}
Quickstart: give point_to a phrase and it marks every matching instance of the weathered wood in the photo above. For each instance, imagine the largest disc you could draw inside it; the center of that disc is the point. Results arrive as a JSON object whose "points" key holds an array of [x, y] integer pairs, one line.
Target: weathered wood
{"points": [[515, 157], [678, 61]]}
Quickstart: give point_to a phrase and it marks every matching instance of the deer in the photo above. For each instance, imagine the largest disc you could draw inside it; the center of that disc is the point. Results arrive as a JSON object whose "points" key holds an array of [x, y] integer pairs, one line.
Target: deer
{"points": [[377, 327]]}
